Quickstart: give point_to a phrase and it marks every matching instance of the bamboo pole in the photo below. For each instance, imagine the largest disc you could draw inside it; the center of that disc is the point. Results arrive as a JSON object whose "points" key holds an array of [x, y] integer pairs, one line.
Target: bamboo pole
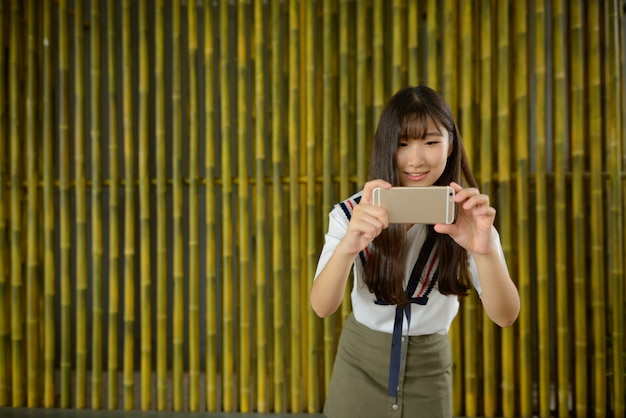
{"points": [[363, 94], [33, 291], [114, 240], [211, 279], [616, 227], [543, 243], [412, 42], [293, 131], [378, 70], [49, 239], [520, 134], [598, 303], [178, 274], [260, 209], [129, 208], [64, 208], [277, 230], [18, 365], [194, 175], [434, 56], [80, 389], [489, 346], [161, 208], [96, 207], [5, 346], [560, 98], [505, 210], [228, 401], [399, 54], [466, 123], [144, 211]]}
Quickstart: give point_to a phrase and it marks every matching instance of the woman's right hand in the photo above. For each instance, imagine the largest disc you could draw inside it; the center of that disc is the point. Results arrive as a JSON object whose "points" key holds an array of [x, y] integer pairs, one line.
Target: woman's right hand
{"points": [[367, 220]]}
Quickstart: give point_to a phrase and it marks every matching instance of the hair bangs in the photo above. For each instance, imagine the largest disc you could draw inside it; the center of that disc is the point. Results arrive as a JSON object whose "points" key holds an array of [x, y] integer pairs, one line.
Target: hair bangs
{"points": [[413, 126]]}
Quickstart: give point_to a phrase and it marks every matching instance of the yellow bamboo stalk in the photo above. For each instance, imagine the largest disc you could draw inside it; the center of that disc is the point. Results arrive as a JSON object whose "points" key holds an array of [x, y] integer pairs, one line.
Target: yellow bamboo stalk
{"points": [[399, 54], [144, 210], [80, 212], [541, 212], [378, 58], [4, 256], [18, 364], [129, 209], [412, 42], [313, 358], [489, 352], [209, 106], [161, 208], [178, 272], [598, 303], [449, 73], [114, 241], [49, 304], [579, 221], [194, 282], [293, 131], [505, 210], [64, 208], [33, 353], [520, 122], [434, 57], [466, 122], [363, 81], [260, 208], [228, 401], [560, 103], [96, 207], [243, 223], [616, 227]]}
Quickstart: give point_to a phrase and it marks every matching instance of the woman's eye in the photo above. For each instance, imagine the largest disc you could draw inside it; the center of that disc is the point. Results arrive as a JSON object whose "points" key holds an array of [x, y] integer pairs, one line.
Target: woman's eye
{"points": [[402, 144]]}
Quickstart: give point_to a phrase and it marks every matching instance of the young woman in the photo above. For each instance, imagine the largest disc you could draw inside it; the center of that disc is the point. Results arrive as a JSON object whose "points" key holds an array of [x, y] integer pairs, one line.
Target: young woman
{"points": [[393, 358]]}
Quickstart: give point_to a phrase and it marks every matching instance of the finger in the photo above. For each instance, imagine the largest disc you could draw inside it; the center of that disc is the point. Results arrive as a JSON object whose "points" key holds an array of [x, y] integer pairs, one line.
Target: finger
{"points": [[369, 187]]}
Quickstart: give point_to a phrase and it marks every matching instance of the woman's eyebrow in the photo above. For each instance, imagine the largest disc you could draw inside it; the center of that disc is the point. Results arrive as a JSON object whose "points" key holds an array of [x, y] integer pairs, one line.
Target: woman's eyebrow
{"points": [[433, 133]]}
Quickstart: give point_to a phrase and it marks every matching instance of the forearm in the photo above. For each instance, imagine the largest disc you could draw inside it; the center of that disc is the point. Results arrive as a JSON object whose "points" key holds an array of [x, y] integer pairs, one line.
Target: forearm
{"points": [[499, 295], [329, 287]]}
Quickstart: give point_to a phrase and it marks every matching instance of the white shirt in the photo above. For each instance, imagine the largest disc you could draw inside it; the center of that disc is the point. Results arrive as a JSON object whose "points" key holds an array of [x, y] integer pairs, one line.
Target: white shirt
{"points": [[434, 317]]}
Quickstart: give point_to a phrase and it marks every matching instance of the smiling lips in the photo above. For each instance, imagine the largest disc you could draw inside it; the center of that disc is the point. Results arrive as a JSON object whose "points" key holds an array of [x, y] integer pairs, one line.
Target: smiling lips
{"points": [[416, 176]]}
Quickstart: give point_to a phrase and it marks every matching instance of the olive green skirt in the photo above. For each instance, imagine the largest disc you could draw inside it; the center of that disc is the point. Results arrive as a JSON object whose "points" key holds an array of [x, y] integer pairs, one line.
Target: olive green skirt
{"points": [[358, 385]]}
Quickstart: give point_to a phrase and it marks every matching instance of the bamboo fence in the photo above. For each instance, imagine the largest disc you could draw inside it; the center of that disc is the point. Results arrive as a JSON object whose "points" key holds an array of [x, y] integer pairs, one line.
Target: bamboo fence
{"points": [[213, 137]]}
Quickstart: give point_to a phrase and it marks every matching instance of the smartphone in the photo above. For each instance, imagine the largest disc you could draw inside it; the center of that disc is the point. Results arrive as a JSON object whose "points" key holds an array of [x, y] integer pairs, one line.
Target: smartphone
{"points": [[417, 205]]}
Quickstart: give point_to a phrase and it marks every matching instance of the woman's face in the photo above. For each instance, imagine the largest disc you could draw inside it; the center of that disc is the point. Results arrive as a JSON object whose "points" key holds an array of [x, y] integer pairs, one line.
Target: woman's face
{"points": [[421, 161]]}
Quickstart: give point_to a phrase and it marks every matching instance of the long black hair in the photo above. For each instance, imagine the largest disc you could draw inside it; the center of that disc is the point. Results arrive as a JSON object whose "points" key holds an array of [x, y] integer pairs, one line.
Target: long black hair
{"points": [[405, 116]]}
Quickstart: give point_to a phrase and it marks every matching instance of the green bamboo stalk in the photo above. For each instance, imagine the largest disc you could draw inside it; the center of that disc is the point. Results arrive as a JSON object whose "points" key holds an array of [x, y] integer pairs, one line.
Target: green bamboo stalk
{"points": [[560, 103], [579, 221], [505, 209], [293, 132], [144, 210], [399, 54], [260, 208], [434, 56], [277, 230], [18, 364], [466, 122], [329, 92], [615, 137], [129, 209], [228, 402], [449, 39], [33, 290], [49, 304], [4, 271], [64, 208], [378, 58], [412, 42], [541, 212], [114, 241], [161, 208], [80, 211], [194, 282], [363, 94], [177, 215], [243, 222], [598, 299], [520, 122], [209, 106], [489, 346], [96, 208]]}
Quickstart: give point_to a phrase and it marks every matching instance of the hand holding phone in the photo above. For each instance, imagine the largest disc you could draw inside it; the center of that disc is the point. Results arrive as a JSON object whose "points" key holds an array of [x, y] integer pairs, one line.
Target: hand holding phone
{"points": [[417, 205]]}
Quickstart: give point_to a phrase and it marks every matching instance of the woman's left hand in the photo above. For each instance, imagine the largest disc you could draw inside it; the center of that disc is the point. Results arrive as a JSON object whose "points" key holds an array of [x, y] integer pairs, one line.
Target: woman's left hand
{"points": [[473, 227]]}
